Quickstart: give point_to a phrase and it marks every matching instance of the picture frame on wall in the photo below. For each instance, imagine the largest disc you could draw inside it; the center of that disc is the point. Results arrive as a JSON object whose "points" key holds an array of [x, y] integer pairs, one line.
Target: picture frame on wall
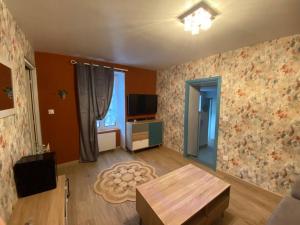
{"points": [[7, 99]]}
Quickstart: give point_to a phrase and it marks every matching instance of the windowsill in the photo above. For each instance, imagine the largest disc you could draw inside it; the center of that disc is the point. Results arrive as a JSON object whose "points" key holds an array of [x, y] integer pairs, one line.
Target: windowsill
{"points": [[107, 129]]}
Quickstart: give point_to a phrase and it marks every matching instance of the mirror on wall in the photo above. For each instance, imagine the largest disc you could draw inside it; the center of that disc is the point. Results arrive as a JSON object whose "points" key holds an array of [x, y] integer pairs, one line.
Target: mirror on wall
{"points": [[6, 90]]}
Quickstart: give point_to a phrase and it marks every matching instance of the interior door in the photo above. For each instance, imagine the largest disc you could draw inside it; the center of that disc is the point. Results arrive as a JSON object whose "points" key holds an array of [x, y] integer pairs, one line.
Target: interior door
{"points": [[204, 118], [193, 115]]}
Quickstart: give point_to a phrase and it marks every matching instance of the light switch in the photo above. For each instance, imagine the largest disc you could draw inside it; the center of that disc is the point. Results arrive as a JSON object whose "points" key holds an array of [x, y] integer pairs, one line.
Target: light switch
{"points": [[51, 111]]}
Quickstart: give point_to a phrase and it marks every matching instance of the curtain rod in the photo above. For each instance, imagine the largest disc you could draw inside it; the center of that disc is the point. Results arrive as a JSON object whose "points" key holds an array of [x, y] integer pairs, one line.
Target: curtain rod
{"points": [[114, 68]]}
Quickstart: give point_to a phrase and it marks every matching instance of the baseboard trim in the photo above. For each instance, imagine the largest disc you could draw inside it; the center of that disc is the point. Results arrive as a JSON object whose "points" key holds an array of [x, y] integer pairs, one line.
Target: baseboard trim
{"points": [[68, 163], [221, 173]]}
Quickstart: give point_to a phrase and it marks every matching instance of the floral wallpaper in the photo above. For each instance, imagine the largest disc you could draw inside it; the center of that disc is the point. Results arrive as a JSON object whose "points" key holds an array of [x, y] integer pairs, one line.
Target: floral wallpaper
{"points": [[259, 127], [15, 140]]}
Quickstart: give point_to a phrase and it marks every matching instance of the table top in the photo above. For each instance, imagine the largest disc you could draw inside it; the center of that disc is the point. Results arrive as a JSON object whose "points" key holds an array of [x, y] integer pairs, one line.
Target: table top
{"points": [[46, 208], [180, 194]]}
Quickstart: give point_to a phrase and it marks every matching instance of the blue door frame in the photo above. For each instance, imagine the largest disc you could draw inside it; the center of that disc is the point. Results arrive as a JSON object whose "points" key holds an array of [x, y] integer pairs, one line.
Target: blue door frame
{"points": [[202, 83]]}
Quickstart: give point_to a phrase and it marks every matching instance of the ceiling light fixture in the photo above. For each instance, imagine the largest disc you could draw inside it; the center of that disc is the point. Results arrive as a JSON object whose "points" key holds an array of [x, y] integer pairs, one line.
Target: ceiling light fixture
{"points": [[198, 17]]}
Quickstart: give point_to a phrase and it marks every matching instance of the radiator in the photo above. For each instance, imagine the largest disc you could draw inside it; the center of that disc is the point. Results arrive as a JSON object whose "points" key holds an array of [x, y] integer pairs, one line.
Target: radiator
{"points": [[107, 141]]}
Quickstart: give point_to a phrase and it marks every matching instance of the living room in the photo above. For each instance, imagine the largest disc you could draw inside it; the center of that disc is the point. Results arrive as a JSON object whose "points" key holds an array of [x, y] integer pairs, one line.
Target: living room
{"points": [[149, 112]]}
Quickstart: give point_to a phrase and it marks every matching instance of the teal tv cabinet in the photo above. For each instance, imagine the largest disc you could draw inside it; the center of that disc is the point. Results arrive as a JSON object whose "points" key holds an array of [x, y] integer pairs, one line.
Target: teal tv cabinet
{"points": [[144, 134]]}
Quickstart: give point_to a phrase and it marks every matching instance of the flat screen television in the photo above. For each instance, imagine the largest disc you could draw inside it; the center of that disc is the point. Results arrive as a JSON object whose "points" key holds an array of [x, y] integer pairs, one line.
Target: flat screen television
{"points": [[138, 104]]}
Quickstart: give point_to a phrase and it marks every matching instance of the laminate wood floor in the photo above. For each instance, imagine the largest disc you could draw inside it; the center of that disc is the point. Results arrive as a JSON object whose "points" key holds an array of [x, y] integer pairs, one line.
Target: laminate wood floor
{"points": [[249, 205]]}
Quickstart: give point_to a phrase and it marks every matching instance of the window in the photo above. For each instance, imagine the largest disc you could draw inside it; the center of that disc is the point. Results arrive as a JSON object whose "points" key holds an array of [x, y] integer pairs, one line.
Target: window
{"points": [[111, 116]]}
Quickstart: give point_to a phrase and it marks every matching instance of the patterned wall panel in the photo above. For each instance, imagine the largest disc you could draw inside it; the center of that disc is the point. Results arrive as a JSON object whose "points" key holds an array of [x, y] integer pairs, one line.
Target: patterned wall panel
{"points": [[259, 117], [14, 130]]}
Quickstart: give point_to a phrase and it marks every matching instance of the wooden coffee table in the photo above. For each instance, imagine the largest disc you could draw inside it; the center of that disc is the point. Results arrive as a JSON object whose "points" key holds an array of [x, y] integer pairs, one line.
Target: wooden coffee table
{"points": [[188, 195]]}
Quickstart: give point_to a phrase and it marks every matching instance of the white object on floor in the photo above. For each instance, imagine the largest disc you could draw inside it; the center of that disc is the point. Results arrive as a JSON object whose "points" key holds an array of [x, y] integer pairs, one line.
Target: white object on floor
{"points": [[106, 141]]}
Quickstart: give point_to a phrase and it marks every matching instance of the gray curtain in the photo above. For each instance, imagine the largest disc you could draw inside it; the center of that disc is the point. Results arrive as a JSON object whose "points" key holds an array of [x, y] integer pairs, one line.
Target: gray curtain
{"points": [[94, 92]]}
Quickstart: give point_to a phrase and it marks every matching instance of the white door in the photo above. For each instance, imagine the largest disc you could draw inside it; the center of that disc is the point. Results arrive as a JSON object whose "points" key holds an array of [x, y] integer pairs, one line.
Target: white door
{"points": [[193, 118]]}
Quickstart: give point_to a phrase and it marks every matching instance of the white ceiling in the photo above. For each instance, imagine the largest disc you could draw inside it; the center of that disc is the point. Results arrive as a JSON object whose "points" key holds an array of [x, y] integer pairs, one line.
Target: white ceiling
{"points": [[146, 33]]}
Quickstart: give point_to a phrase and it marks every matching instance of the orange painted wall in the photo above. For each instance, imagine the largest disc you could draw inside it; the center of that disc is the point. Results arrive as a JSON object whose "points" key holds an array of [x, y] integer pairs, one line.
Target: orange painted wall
{"points": [[61, 129], [135, 83]]}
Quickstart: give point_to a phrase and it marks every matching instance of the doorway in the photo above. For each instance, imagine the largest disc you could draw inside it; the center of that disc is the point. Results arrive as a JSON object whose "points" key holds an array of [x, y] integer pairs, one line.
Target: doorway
{"points": [[201, 122]]}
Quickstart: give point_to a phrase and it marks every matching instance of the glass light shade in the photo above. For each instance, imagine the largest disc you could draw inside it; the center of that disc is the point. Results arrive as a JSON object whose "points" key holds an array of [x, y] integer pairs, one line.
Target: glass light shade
{"points": [[200, 19], [206, 24], [188, 23], [204, 14], [195, 30]]}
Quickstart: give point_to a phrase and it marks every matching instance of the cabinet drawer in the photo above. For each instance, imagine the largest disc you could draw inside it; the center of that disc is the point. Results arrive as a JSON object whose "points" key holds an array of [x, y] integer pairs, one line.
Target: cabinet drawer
{"points": [[140, 136], [136, 128], [140, 144]]}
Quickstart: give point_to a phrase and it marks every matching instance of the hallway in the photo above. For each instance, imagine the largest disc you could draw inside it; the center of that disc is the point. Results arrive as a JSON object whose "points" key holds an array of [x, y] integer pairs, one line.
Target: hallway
{"points": [[206, 155]]}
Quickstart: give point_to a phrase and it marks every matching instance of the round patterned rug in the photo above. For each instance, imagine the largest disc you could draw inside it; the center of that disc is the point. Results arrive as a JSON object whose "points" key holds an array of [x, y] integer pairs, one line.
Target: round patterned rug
{"points": [[118, 183]]}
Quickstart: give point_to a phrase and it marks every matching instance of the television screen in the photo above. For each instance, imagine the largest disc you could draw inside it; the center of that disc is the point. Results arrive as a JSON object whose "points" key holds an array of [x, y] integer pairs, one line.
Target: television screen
{"points": [[141, 104]]}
